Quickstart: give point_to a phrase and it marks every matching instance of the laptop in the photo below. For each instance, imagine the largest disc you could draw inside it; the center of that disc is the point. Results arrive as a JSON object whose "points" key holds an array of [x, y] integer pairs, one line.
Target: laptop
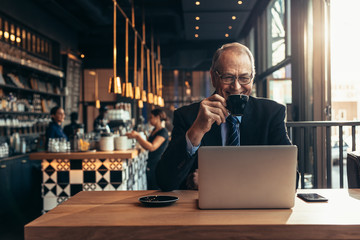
{"points": [[233, 177]]}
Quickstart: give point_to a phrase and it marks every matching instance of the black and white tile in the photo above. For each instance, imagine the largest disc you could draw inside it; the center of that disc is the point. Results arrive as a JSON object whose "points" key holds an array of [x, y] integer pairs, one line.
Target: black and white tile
{"points": [[63, 178]]}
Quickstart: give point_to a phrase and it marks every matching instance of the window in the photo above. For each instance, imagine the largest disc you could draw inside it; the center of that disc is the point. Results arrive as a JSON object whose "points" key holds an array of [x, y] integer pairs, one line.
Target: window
{"points": [[279, 85], [276, 32]]}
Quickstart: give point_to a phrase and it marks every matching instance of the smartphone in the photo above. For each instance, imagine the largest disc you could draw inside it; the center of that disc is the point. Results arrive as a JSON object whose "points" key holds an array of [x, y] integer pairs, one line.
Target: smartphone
{"points": [[312, 197]]}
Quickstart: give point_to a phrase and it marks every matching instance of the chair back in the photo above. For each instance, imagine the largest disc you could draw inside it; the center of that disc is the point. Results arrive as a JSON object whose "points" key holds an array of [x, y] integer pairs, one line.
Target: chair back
{"points": [[353, 169]]}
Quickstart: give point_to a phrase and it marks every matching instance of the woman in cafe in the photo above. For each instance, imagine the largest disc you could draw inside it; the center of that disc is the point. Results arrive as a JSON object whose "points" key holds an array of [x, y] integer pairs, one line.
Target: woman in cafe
{"points": [[155, 144], [54, 129]]}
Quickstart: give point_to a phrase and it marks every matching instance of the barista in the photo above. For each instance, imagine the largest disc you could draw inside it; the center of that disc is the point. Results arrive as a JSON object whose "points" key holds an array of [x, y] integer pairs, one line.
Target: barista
{"points": [[71, 129], [54, 129], [101, 122]]}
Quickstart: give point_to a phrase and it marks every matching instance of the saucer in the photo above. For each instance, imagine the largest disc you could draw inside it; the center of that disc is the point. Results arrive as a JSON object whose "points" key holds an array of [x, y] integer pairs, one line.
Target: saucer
{"points": [[158, 201]]}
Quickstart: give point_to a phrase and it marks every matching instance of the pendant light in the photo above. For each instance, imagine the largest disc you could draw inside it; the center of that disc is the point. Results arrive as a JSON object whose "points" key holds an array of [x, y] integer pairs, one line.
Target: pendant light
{"points": [[114, 82], [128, 85], [136, 89], [143, 92], [97, 101], [136, 80], [153, 75], [150, 95]]}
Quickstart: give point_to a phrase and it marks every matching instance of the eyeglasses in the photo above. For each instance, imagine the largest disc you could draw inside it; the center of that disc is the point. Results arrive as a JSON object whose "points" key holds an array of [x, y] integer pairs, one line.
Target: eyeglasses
{"points": [[230, 79]]}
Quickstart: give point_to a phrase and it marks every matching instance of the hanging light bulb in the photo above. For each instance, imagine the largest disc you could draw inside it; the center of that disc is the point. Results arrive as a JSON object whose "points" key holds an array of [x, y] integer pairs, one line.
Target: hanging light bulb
{"points": [[97, 104], [161, 101], [150, 98], [144, 98], [115, 85], [140, 104], [97, 101], [155, 100], [123, 89], [127, 85], [129, 91], [111, 85], [137, 93]]}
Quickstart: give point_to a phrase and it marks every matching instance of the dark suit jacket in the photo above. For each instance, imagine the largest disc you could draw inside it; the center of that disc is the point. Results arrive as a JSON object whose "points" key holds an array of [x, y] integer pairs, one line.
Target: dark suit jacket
{"points": [[262, 124]]}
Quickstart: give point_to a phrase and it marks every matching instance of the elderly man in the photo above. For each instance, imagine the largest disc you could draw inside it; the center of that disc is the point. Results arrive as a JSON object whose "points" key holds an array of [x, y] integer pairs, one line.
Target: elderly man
{"points": [[205, 123]]}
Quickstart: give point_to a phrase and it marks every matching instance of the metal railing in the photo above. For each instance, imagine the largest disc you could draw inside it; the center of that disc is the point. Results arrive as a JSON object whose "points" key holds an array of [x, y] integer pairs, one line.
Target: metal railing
{"points": [[313, 139]]}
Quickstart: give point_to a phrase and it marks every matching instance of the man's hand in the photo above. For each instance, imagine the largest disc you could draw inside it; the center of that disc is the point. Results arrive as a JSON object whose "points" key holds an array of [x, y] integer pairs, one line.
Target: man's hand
{"points": [[212, 109], [196, 179], [192, 181]]}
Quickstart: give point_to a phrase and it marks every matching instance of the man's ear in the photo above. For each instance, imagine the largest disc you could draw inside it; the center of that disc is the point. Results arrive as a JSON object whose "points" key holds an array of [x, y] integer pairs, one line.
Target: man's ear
{"points": [[213, 78]]}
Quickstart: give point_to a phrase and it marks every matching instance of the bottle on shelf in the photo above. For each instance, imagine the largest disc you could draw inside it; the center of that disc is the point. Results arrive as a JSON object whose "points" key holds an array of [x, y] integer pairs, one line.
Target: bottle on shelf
{"points": [[4, 150]]}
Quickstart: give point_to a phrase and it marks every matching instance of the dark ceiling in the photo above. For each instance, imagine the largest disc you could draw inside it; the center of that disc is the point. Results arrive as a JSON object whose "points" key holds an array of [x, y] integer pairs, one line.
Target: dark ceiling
{"points": [[172, 23]]}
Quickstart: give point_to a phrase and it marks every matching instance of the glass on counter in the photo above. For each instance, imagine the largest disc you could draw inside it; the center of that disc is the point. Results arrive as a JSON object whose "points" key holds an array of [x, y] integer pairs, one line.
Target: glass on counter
{"points": [[85, 142], [82, 142], [58, 145]]}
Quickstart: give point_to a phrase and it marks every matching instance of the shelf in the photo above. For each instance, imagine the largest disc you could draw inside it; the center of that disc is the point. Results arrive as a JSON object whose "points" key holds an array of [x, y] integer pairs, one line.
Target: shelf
{"points": [[30, 90], [14, 157], [36, 83], [33, 66], [23, 113]]}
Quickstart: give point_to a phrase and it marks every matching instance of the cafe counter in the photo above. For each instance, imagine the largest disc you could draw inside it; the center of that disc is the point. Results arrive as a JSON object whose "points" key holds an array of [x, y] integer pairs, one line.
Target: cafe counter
{"points": [[65, 174]]}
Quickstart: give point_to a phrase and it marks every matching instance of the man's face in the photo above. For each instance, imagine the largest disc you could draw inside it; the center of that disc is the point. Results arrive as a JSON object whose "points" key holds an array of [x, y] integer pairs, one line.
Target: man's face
{"points": [[232, 64], [59, 117]]}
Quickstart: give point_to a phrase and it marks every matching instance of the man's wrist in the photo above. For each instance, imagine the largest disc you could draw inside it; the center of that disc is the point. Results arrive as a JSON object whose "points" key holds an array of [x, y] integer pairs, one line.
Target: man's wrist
{"points": [[194, 136], [190, 148]]}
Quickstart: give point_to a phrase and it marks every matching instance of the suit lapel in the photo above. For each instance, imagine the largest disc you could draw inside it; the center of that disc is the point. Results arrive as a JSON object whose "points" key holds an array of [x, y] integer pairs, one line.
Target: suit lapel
{"points": [[246, 123]]}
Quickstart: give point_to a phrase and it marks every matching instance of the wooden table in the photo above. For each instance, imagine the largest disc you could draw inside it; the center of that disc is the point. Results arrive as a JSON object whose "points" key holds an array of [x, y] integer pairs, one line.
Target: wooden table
{"points": [[119, 215]]}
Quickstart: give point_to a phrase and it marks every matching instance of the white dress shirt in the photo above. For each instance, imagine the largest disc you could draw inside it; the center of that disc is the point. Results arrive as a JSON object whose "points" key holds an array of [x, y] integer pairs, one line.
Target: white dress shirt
{"points": [[224, 134]]}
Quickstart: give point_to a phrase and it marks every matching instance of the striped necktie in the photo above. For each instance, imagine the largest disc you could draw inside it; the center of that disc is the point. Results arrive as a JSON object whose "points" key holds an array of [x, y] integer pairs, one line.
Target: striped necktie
{"points": [[233, 131]]}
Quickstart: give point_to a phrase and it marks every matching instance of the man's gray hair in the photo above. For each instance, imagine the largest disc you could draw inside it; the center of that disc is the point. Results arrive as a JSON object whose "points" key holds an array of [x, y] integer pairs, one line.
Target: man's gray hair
{"points": [[235, 47]]}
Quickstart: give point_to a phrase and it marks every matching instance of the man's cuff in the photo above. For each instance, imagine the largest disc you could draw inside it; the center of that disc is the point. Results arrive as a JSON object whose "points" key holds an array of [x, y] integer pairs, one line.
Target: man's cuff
{"points": [[189, 147]]}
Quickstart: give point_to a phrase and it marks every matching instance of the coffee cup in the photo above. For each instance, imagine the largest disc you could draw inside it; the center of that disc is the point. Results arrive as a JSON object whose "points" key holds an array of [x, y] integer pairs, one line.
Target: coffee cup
{"points": [[236, 104]]}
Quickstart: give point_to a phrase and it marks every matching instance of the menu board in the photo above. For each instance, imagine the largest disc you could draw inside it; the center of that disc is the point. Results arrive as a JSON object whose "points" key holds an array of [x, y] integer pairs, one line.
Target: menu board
{"points": [[73, 78]]}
